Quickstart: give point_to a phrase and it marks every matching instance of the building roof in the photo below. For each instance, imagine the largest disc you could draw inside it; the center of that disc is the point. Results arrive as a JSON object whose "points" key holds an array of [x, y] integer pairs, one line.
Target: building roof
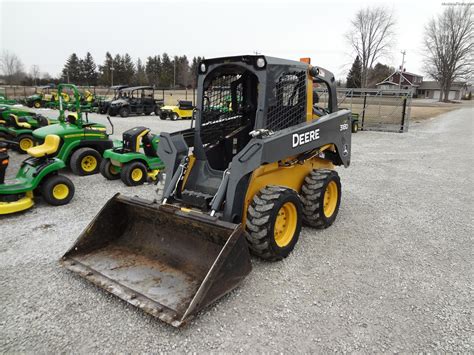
{"points": [[386, 81], [435, 85]]}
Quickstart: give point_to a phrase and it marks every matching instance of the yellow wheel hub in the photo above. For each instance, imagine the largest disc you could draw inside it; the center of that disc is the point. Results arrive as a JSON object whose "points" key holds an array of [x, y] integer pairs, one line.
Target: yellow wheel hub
{"points": [[37, 104], [26, 143], [60, 191], [330, 199], [285, 224], [137, 174], [88, 163]]}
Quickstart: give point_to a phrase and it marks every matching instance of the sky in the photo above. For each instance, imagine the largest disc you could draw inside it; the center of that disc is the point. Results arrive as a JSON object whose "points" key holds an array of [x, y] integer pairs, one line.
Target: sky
{"points": [[45, 33]]}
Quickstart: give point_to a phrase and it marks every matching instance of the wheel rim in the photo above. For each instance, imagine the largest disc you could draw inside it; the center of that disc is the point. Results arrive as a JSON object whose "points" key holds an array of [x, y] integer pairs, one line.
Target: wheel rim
{"points": [[60, 191], [285, 224], [137, 174], [26, 143], [37, 105], [330, 199], [88, 163], [113, 170]]}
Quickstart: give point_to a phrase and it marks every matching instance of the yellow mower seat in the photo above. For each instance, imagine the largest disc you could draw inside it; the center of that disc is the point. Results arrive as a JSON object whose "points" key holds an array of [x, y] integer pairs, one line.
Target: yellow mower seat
{"points": [[49, 147], [20, 124]]}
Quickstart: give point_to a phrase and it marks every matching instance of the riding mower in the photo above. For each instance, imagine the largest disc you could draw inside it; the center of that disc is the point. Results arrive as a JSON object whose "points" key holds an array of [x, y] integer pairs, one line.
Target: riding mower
{"points": [[37, 174], [239, 180], [82, 142], [20, 129], [184, 110], [128, 163]]}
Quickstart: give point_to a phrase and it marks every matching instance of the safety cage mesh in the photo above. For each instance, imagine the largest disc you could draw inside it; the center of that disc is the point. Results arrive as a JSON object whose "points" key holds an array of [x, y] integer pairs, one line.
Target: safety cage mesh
{"points": [[289, 96], [218, 119]]}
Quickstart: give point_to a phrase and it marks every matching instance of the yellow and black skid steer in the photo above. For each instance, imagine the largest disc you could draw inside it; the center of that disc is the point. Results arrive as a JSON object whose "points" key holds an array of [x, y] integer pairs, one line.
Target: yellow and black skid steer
{"points": [[259, 162]]}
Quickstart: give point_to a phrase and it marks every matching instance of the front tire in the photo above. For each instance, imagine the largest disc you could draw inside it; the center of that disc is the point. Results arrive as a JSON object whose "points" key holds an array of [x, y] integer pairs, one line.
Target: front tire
{"points": [[174, 116], [321, 197], [355, 127], [57, 190], [274, 222], [37, 104], [108, 170], [85, 161], [133, 173], [124, 112]]}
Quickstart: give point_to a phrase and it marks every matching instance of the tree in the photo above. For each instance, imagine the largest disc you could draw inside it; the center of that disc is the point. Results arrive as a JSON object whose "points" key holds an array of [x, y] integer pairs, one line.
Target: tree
{"points": [[355, 74], [449, 44], [194, 70], [105, 70], [11, 67], [167, 71], [371, 35], [35, 73], [89, 70], [183, 75], [379, 73], [140, 75], [153, 70], [72, 71], [128, 69]]}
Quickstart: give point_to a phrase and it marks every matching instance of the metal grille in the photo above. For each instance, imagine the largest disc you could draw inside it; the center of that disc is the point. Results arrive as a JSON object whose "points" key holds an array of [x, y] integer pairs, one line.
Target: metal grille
{"points": [[290, 101], [218, 119]]}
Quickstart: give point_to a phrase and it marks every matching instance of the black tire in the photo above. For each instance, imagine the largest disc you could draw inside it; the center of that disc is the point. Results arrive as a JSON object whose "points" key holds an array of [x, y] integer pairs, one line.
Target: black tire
{"points": [[111, 113], [313, 193], [262, 215], [102, 111], [355, 127], [4, 136], [36, 104], [147, 112], [107, 170], [124, 112], [81, 162], [25, 141], [128, 171], [174, 116], [57, 190], [157, 111]]}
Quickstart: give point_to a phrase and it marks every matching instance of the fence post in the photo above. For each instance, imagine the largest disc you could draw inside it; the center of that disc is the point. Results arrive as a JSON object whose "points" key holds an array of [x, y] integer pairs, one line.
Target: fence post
{"points": [[404, 110], [363, 111], [14, 93]]}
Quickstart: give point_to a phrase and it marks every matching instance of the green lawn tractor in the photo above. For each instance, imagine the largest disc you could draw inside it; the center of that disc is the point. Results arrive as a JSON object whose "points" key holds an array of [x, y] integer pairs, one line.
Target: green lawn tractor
{"points": [[4, 99], [82, 142], [38, 174], [129, 163], [183, 110], [20, 129], [44, 96]]}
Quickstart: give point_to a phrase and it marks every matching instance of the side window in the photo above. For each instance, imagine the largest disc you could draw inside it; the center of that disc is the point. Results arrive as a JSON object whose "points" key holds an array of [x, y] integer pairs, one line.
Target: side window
{"points": [[289, 98]]}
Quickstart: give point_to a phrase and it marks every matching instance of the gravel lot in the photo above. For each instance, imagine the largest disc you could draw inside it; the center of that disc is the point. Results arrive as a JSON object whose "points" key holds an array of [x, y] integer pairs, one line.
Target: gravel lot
{"points": [[393, 274]]}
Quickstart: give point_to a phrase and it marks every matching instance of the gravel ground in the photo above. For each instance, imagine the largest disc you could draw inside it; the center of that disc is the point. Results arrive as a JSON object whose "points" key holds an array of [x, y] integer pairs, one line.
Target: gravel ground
{"points": [[393, 274]]}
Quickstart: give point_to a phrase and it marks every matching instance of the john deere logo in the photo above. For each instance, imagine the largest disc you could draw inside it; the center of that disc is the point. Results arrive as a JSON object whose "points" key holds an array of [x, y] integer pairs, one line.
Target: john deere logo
{"points": [[304, 138]]}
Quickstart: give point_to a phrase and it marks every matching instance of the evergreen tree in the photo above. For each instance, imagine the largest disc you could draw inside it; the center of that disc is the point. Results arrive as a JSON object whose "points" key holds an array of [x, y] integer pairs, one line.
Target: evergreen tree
{"points": [[89, 70], [128, 68], [140, 74], [167, 71], [194, 70], [72, 70], [105, 70], [119, 70], [355, 74], [153, 70], [379, 73]]}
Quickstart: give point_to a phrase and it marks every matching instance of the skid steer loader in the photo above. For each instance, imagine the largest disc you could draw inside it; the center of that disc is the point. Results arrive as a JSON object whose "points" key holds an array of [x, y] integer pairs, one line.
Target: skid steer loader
{"points": [[243, 179]]}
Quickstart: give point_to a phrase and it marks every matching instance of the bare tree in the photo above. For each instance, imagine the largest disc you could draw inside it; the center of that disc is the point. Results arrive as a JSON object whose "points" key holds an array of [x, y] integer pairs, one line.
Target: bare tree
{"points": [[35, 73], [371, 36], [11, 67], [449, 44]]}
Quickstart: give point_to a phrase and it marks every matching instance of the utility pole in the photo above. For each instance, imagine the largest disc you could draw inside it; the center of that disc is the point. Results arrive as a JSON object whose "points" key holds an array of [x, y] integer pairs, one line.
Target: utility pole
{"points": [[112, 76], [174, 73], [401, 68]]}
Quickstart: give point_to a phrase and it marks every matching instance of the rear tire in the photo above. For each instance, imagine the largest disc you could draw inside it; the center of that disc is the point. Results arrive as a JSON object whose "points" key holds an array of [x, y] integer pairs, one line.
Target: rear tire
{"points": [[133, 173], [57, 190], [157, 111], [174, 116], [321, 197], [25, 142], [274, 222], [108, 170], [85, 161], [124, 112], [355, 127], [37, 104]]}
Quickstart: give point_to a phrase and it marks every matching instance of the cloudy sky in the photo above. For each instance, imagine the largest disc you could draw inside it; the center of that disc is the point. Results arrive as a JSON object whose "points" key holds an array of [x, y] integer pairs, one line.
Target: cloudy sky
{"points": [[45, 33]]}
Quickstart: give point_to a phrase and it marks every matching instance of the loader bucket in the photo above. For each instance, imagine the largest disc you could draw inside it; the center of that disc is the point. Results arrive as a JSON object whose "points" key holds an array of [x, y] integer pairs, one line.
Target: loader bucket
{"points": [[165, 261]]}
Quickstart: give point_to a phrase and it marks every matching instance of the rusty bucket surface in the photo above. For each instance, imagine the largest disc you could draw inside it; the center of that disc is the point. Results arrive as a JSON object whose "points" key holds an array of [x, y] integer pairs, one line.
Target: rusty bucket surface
{"points": [[165, 261]]}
